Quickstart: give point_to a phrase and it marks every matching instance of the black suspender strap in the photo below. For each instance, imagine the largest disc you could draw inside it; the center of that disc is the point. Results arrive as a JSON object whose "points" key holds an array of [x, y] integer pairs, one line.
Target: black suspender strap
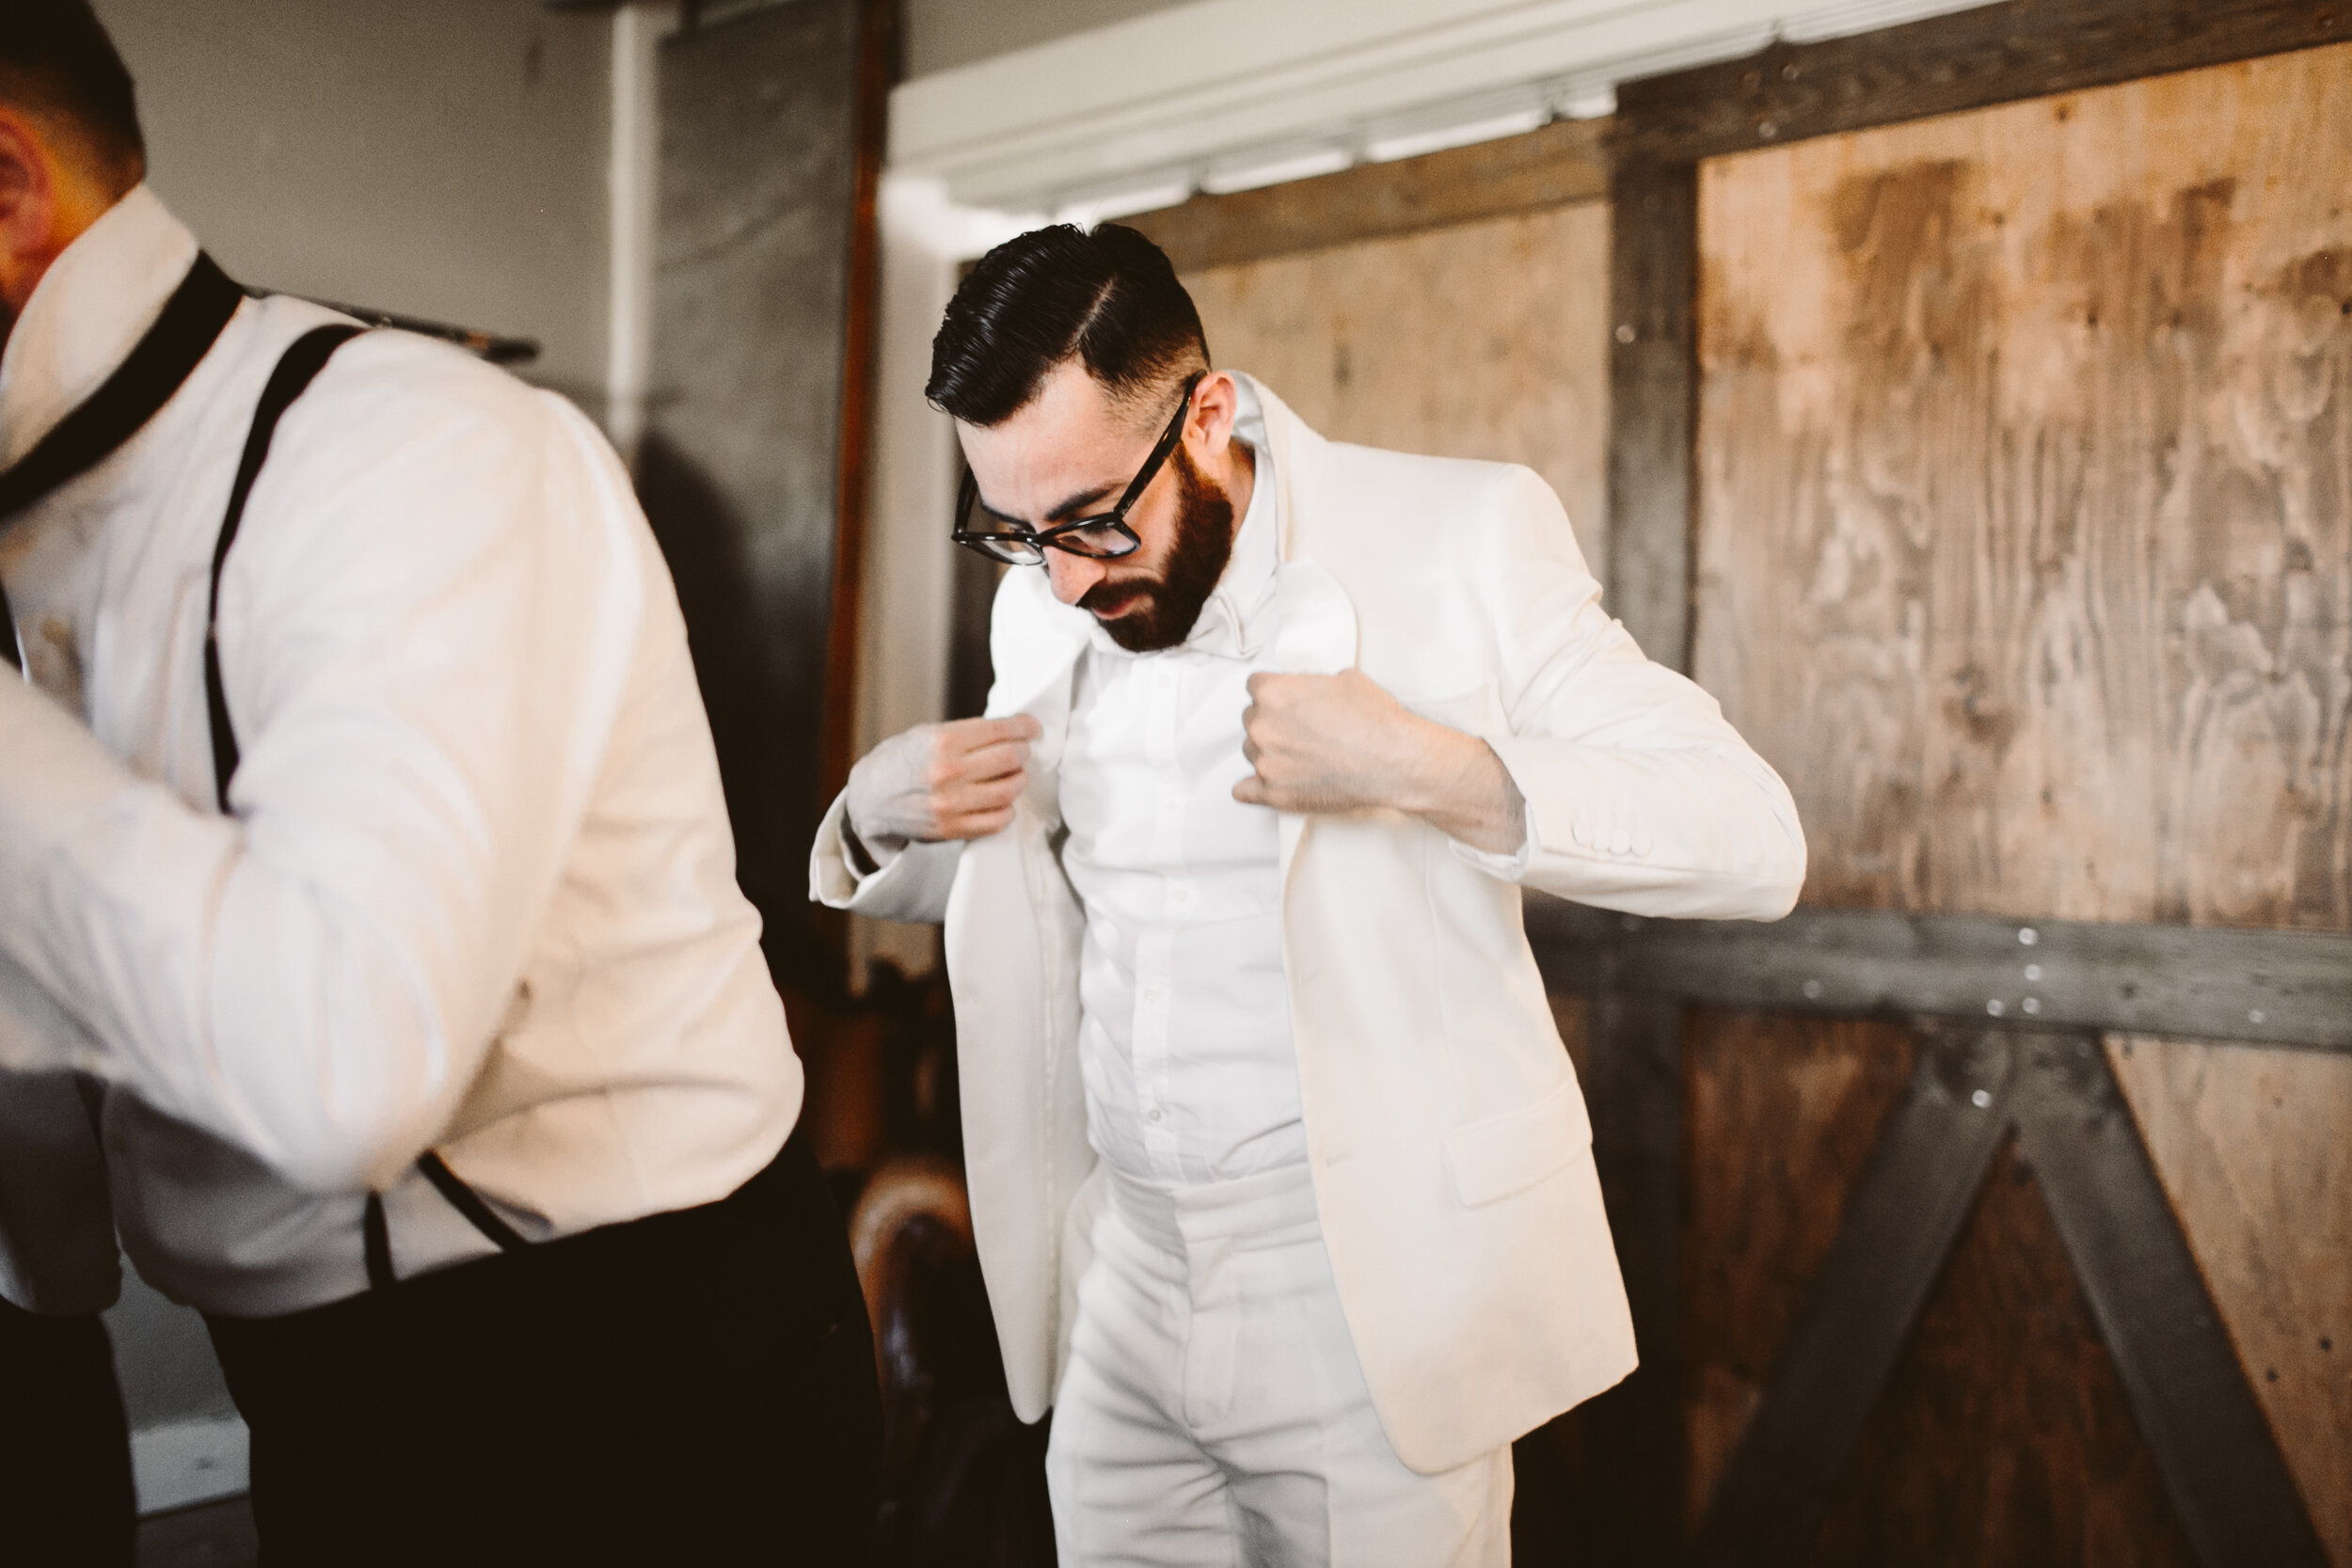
{"points": [[375, 1236], [468, 1203], [156, 366], [375, 1240], [299, 366], [296, 370]]}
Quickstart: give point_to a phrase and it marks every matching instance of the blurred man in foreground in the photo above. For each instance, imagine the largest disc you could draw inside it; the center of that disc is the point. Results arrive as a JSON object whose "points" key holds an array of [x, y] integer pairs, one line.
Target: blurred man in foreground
{"points": [[360, 835]]}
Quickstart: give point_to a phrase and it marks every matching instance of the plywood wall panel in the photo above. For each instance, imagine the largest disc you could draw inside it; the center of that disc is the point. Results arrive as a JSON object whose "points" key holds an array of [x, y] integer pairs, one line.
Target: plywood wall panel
{"points": [[1486, 340], [2025, 541], [2004, 1436], [2252, 1145], [1781, 1115], [2026, 553]]}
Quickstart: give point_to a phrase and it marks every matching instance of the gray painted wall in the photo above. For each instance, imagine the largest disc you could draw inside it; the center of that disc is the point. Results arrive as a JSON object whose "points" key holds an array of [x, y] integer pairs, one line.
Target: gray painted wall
{"points": [[441, 158], [941, 35]]}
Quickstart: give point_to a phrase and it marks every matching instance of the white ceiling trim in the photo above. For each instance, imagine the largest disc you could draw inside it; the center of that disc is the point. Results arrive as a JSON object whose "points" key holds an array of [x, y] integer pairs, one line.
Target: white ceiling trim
{"points": [[1208, 93]]}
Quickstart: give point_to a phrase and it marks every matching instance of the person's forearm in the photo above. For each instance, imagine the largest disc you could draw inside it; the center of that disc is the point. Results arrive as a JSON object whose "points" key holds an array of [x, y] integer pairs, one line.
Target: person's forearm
{"points": [[1462, 789], [144, 918]]}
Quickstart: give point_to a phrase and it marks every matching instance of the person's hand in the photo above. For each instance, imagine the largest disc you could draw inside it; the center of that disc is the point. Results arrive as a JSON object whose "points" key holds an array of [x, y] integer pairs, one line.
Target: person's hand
{"points": [[957, 780], [1335, 743]]}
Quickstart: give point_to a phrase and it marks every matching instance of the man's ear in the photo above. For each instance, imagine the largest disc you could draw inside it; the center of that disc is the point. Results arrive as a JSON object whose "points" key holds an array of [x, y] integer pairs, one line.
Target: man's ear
{"points": [[1216, 404], [28, 208]]}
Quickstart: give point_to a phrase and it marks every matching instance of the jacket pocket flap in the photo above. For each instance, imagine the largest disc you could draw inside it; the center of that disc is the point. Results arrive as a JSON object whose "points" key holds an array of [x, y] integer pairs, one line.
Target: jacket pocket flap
{"points": [[1501, 1155]]}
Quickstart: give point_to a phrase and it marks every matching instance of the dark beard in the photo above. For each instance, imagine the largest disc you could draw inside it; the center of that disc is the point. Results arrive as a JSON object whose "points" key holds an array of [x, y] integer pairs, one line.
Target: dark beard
{"points": [[1171, 605]]}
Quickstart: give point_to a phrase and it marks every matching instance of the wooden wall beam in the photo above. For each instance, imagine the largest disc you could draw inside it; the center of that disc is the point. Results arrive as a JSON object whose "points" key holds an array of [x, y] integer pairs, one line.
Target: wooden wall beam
{"points": [[1564, 161], [2268, 988], [2190, 1396], [1963, 60], [1899, 1227], [2188, 1393], [1653, 404], [1633, 1083]]}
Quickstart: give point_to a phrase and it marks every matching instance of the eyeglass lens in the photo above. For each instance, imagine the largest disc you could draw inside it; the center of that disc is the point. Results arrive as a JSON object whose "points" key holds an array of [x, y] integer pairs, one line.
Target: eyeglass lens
{"points": [[1009, 539]]}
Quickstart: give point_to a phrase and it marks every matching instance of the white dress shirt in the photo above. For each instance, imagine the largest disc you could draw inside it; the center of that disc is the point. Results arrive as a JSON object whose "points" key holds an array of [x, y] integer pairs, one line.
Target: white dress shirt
{"points": [[1185, 1043], [477, 894]]}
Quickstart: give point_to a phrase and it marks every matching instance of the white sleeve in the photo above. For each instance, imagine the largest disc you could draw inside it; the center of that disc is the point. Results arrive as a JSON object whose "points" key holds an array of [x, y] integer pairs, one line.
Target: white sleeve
{"points": [[908, 884], [1640, 796], [426, 628]]}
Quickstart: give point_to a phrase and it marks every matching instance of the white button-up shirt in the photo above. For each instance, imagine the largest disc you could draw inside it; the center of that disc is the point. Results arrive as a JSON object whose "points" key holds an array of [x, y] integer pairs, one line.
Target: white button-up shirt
{"points": [[1186, 1040], [478, 891]]}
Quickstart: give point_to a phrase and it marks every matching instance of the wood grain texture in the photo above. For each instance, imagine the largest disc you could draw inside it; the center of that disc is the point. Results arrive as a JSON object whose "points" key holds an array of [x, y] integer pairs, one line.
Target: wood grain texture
{"points": [[1488, 341], [1968, 60], [2252, 985], [1780, 1116], [2250, 1145], [1564, 161], [1653, 398], [2026, 552], [2025, 458], [2230, 1486], [2004, 1437]]}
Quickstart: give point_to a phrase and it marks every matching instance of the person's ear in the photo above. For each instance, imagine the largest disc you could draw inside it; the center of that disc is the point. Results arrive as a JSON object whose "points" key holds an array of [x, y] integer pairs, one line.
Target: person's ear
{"points": [[1216, 404], [28, 207]]}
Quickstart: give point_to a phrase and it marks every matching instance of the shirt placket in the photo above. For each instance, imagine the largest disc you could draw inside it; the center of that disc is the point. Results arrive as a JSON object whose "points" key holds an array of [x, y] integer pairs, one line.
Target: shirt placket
{"points": [[1155, 987]]}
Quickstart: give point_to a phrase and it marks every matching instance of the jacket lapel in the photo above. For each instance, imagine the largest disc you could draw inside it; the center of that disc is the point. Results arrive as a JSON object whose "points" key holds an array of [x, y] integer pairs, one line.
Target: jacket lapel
{"points": [[1314, 618], [1034, 650], [1318, 636]]}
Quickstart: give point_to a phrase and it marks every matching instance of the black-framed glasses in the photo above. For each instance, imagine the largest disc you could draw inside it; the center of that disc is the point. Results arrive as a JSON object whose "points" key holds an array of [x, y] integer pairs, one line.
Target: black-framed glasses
{"points": [[1104, 536]]}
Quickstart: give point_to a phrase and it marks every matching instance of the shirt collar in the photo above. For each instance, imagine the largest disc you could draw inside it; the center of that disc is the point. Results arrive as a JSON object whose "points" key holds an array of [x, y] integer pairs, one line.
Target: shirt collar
{"points": [[95, 302], [1234, 621]]}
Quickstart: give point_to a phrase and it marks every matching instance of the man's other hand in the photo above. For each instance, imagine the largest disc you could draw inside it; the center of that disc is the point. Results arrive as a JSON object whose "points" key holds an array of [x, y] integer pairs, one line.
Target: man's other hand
{"points": [[956, 780], [1335, 743]]}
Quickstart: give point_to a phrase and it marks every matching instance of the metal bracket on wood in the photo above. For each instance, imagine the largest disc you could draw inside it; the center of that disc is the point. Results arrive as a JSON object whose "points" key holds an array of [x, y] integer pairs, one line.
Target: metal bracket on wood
{"points": [[2187, 1392]]}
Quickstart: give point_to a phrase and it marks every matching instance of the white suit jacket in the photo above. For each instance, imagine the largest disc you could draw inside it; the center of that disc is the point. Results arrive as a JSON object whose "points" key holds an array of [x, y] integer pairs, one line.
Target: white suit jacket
{"points": [[1450, 1155]]}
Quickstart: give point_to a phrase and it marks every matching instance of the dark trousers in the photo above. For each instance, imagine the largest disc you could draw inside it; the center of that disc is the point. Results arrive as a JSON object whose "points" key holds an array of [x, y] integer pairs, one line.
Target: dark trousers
{"points": [[691, 1387], [65, 1452]]}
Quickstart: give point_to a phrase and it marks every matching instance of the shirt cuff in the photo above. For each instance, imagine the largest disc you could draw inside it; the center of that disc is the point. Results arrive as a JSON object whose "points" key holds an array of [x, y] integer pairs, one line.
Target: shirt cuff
{"points": [[861, 859], [1509, 868]]}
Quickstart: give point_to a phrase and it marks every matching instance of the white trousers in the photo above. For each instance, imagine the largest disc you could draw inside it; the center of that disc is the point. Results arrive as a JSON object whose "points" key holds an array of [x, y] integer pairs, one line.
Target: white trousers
{"points": [[1214, 1412]]}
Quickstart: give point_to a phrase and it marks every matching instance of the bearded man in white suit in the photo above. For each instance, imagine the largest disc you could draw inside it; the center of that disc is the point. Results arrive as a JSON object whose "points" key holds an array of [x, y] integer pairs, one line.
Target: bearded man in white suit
{"points": [[1280, 1176]]}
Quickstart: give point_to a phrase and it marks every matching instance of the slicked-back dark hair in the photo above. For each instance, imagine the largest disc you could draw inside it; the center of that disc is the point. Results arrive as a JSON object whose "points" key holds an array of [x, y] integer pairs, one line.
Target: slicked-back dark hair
{"points": [[56, 58], [1107, 297]]}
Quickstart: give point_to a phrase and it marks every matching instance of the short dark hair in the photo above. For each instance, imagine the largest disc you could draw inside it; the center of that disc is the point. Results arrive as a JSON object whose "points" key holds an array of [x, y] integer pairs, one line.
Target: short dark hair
{"points": [[1108, 296], [56, 58]]}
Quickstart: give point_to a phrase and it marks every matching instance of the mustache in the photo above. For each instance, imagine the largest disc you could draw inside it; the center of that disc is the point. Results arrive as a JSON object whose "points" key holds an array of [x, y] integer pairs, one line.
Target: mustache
{"points": [[1107, 597]]}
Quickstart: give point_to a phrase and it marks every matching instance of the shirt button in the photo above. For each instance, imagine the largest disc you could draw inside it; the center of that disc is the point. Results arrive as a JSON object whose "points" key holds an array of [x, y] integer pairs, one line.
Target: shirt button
{"points": [[1155, 1116]]}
